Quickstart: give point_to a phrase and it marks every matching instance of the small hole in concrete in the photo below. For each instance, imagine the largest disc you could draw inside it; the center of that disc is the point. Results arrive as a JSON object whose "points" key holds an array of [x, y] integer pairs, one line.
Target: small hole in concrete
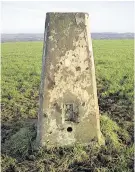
{"points": [[78, 68], [61, 63], [45, 115], [83, 104], [87, 68], [69, 129]]}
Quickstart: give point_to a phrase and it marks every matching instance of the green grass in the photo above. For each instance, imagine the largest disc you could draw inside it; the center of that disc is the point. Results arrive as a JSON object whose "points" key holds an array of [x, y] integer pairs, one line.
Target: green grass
{"points": [[21, 69], [114, 63]]}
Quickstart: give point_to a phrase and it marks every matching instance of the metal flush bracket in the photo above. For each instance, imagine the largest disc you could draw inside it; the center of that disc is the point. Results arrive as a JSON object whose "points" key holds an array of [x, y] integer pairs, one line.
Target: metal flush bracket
{"points": [[71, 112]]}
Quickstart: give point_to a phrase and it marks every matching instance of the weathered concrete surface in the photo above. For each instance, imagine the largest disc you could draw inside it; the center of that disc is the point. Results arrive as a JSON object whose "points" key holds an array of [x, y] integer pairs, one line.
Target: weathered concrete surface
{"points": [[68, 97]]}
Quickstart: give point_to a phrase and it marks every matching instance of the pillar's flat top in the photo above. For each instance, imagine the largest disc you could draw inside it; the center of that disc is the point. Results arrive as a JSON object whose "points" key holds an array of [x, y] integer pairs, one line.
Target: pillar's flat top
{"points": [[66, 13]]}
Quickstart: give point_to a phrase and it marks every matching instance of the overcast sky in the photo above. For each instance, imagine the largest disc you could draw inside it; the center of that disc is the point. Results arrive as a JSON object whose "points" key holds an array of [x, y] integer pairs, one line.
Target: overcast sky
{"points": [[29, 17]]}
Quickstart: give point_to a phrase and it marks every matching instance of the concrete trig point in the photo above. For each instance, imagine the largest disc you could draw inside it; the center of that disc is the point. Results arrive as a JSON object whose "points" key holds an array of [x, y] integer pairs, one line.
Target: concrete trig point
{"points": [[68, 96]]}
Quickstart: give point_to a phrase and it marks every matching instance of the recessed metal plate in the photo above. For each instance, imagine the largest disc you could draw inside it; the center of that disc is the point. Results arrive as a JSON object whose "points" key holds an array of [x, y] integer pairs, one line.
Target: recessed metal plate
{"points": [[71, 112]]}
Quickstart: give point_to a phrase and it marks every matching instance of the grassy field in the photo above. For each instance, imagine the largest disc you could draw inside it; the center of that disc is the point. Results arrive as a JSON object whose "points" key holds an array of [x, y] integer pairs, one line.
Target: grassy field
{"points": [[21, 69]]}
